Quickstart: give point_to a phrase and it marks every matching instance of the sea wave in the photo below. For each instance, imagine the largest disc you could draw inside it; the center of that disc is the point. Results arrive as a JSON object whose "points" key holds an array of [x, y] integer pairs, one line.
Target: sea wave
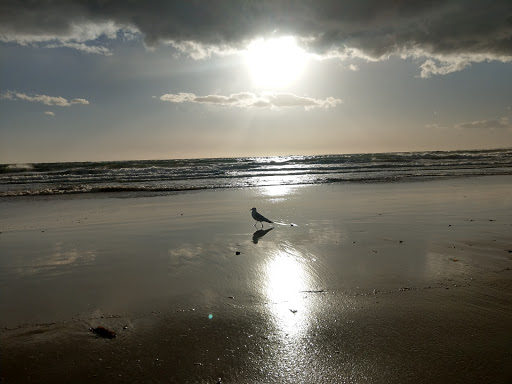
{"points": [[167, 176]]}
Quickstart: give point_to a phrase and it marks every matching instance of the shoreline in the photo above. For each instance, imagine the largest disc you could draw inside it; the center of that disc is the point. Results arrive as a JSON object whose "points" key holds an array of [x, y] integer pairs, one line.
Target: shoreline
{"points": [[373, 283], [127, 193]]}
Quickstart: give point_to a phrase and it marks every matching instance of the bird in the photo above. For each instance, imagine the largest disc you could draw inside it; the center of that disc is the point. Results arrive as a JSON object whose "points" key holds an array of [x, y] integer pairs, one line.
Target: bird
{"points": [[256, 216]]}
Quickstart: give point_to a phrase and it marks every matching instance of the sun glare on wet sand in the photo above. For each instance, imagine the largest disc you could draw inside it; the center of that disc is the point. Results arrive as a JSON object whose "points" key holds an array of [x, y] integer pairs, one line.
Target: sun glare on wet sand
{"points": [[286, 278]]}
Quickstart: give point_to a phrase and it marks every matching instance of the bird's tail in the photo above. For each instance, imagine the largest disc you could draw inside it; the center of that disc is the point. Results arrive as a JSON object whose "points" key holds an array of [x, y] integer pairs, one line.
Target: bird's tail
{"points": [[287, 224]]}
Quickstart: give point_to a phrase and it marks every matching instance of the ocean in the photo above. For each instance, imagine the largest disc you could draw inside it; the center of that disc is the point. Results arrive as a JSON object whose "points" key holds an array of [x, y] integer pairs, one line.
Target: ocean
{"points": [[155, 177]]}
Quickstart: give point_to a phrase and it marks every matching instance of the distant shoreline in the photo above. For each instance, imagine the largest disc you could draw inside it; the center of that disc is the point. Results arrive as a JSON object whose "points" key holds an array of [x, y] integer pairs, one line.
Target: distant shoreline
{"points": [[28, 163]]}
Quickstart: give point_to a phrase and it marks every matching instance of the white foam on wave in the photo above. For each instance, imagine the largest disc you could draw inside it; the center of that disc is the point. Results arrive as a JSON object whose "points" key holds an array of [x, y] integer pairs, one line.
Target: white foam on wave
{"points": [[21, 166]]}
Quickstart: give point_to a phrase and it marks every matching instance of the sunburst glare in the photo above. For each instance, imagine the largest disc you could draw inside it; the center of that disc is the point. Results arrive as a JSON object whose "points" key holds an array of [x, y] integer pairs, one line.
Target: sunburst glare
{"points": [[275, 63]]}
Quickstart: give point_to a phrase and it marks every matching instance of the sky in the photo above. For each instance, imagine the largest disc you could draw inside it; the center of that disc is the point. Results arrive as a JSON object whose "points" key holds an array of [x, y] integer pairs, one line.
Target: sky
{"points": [[84, 80]]}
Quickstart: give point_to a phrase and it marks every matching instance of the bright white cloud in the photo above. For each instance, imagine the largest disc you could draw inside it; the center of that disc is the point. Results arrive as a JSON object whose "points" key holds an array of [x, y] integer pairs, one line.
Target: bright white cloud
{"points": [[44, 99], [50, 113], [251, 100]]}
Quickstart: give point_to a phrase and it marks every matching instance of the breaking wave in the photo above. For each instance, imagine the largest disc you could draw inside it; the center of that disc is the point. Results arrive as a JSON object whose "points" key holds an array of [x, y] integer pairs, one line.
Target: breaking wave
{"points": [[167, 176]]}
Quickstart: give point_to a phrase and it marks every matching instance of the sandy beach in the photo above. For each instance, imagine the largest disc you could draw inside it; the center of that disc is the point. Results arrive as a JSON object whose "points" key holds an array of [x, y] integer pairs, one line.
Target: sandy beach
{"points": [[406, 282]]}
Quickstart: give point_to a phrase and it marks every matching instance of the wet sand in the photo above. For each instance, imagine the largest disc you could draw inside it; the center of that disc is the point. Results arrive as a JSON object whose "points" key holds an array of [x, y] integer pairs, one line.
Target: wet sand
{"points": [[363, 283]]}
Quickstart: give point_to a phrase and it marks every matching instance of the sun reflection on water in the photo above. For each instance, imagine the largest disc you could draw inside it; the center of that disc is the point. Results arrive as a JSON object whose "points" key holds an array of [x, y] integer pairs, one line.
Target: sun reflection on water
{"points": [[278, 190], [287, 278]]}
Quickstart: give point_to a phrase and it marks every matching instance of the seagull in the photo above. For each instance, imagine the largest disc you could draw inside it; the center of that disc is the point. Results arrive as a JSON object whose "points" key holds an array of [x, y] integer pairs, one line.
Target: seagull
{"points": [[256, 216]]}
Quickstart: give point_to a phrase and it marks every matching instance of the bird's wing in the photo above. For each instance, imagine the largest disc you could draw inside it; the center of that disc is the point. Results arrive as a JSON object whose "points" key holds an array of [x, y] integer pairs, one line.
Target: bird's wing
{"points": [[262, 218]]}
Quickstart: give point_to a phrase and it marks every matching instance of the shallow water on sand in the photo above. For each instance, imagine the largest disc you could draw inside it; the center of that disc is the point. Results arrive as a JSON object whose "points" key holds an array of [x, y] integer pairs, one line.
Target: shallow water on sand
{"points": [[60, 258]]}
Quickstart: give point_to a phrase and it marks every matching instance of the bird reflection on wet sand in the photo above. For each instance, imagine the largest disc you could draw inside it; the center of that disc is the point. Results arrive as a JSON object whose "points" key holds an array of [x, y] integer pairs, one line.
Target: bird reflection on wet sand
{"points": [[259, 234]]}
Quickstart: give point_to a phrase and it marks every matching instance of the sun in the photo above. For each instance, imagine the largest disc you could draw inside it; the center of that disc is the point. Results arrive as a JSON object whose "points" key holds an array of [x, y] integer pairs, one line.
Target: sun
{"points": [[275, 63]]}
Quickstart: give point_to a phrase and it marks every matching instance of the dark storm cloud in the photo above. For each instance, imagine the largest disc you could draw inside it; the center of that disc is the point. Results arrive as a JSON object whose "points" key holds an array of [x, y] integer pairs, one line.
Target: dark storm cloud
{"points": [[455, 33]]}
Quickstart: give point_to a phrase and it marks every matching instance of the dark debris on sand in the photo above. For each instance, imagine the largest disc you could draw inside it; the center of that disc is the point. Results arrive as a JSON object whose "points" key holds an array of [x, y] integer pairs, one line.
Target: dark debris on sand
{"points": [[104, 332]]}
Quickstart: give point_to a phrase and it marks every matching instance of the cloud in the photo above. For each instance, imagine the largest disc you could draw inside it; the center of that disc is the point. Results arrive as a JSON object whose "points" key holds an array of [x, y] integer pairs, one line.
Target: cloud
{"points": [[82, 35], [251, 100], [431, 67], [435, 126], [447, 35], [81, 47], [492, 124], [49, 113], [502, 123], [47, 100], [79, 101]]}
